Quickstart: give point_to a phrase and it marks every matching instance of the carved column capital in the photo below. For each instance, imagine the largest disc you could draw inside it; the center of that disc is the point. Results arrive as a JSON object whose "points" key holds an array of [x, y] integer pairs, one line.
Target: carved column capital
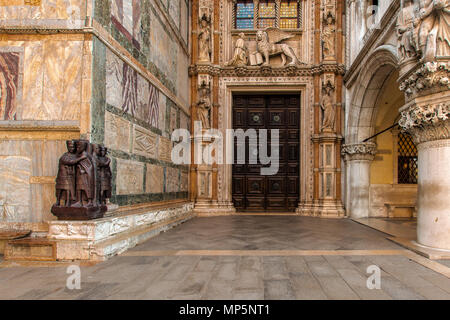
{"points": [[359, 151], [426, 122], [426, 78]]}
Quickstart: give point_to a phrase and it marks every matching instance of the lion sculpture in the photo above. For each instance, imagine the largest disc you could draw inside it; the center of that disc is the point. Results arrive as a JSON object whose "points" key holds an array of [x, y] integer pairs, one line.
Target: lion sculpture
{"points": [[274, 48]]}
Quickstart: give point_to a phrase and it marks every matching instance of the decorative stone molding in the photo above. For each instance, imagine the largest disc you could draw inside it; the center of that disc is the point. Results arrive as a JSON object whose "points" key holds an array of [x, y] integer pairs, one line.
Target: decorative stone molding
{"points": [[431, 76], [426, 122], [359, 151], [266, 71]]}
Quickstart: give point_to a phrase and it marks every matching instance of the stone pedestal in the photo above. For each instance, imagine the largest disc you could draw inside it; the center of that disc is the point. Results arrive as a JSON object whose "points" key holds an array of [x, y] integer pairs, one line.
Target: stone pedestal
{"points": [[427, 119], [358, 158]]}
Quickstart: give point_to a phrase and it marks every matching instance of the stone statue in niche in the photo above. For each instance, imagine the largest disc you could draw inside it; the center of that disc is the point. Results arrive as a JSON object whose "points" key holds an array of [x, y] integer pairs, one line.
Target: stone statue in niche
{"points": [[328, 36], [83, 181], [204, 39], [240, 57], [327, 105], [274, 47], [406, 25], [204, 107], [434, 30], [104, 169]]}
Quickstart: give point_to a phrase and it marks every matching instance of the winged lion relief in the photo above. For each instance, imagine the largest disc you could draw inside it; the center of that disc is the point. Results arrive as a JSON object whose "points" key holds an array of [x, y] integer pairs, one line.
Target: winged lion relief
{"points": [[269, 44]]}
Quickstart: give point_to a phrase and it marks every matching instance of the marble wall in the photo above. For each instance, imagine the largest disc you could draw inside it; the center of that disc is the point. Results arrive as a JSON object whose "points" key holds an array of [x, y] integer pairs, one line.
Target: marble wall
{"points": [[11, 73], [125, 85], [41, 77], [133, 115], [155, 32]]}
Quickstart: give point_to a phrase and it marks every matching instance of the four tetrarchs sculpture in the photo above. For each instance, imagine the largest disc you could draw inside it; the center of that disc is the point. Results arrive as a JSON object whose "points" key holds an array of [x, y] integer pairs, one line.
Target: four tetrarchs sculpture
{"points": [[83, 183]]}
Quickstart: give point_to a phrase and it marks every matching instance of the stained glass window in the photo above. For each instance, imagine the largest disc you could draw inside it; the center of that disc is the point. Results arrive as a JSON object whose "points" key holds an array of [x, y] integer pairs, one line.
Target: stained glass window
{"points": [[289, 14], [267, 14], [245, 12], [286, 16]]}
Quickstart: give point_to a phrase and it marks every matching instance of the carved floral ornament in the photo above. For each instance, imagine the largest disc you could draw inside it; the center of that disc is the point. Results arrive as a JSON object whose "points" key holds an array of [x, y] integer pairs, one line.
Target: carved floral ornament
{"points": [[427, 122], [430, 75], [359, 151]]}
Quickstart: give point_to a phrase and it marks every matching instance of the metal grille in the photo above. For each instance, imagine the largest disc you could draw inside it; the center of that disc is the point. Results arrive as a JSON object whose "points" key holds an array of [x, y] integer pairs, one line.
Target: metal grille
{"points": [[407, 160]]}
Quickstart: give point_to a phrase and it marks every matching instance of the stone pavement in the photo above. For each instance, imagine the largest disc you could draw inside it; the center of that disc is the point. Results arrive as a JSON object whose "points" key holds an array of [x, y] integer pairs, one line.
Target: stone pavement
{"points": [[245, 257]]}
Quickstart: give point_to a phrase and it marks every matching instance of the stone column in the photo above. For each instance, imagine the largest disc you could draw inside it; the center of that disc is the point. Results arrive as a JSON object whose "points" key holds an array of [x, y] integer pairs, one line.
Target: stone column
{"points": [[358, 158], [427, 119]]}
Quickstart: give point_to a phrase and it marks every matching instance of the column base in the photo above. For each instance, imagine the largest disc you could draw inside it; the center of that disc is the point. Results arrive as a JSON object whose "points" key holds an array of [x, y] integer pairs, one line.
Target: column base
{"points": [[322, 209], [208, 208]]}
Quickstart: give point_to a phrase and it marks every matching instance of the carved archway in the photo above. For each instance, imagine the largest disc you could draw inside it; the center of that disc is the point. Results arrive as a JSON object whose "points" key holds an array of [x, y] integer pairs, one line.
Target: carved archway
{"points": [[377, 68]]}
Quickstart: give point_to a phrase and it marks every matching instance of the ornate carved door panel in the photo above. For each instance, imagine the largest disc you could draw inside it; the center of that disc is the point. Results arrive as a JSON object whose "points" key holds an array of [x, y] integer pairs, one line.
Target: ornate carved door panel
{"points": [[251, 190]]}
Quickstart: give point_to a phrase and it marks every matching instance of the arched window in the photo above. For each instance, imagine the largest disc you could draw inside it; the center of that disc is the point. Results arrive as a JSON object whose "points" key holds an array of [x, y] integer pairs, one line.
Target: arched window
{"points": [[261, 14]]}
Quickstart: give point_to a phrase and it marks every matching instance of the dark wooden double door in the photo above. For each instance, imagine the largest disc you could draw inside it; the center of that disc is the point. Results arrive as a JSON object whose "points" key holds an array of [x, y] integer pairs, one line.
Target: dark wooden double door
{"points": [[253, 192]]}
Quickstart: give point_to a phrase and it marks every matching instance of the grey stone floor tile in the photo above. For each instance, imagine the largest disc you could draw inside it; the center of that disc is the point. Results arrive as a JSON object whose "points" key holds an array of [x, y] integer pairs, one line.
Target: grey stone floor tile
{"points": [[248, 294], [278, 290], [241, 277], [336, 288], [306, 287]]}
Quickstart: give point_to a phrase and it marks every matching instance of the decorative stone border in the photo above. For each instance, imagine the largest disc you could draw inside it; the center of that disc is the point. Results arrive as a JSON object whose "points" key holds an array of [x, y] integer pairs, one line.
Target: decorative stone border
{"points": [[100, 239]]}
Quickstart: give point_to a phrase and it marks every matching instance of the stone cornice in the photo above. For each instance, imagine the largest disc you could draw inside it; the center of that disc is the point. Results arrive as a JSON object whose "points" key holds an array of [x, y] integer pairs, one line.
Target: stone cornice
{"points": [[266, 71], [359, 151]]}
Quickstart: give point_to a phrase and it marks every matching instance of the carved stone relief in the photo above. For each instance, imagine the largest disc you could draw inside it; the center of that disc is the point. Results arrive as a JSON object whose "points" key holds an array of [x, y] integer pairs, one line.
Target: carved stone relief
{"points": [[423, 30], [269, 44], [240, 56], [359, 151]]}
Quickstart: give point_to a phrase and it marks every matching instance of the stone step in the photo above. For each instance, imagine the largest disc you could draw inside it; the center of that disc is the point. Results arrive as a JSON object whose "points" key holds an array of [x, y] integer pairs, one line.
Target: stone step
{"points": [[8, 235], [31, 249]]}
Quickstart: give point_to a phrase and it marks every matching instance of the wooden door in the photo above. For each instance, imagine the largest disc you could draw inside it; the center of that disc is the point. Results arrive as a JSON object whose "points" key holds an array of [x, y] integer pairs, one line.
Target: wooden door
{"points": [[251, 190]]}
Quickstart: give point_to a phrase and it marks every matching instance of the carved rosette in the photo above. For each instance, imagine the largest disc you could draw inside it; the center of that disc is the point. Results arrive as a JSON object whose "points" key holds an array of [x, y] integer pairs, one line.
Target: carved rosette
{"points": [[359, 151], [428, 122], [430, 77]]}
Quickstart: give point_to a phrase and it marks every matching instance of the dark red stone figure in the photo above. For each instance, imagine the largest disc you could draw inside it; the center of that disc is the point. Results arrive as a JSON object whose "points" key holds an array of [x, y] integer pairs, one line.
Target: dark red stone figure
{"points": [[84, 181], [85, 176], [103, 166], [65, 180]]}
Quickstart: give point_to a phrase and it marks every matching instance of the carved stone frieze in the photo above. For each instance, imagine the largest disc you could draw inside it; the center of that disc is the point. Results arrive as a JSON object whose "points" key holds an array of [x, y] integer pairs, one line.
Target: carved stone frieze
{"points": [[431, 76], [426, 122], [359, 151], [266, 71]]}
